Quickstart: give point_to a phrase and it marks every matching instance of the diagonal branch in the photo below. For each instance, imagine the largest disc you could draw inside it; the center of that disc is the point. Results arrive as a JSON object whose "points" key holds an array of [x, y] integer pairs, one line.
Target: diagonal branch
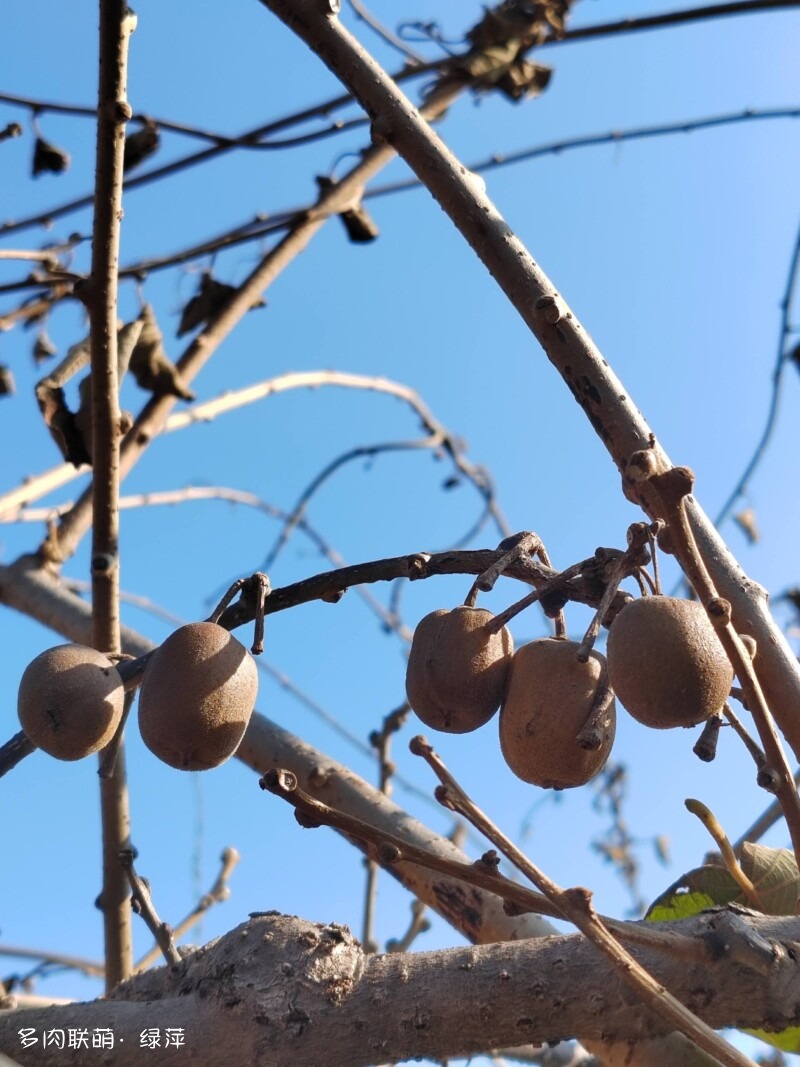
{"points": [[152, 418], [604, 399]]}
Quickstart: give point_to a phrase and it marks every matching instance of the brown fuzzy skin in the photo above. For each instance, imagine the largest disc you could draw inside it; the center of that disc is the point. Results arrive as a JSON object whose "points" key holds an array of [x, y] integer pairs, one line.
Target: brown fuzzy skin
{"points": [[457, 669], [666, 663], [548, 701], [70, 701], [198, 692]]}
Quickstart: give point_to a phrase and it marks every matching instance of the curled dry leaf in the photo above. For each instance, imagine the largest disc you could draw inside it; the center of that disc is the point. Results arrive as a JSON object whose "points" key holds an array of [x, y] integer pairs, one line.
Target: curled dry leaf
{"points": [[141, 144], [48, 158], [150, 365], [207, 302]]}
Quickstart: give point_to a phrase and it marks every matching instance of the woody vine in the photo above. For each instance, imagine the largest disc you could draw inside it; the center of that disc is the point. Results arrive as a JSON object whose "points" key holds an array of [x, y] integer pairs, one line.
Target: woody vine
{"points": [[461, 667]]}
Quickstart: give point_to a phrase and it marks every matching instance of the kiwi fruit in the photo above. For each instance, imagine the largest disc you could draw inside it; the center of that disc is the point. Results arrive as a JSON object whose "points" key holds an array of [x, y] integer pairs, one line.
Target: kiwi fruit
{"points": [[70, 701], [666, 663], [197, 695], [549, 702], [457, 669]]}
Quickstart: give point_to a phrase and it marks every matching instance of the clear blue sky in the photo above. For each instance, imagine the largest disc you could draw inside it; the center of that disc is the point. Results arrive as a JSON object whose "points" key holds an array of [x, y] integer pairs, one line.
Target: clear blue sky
{"points": [[672, 251]]}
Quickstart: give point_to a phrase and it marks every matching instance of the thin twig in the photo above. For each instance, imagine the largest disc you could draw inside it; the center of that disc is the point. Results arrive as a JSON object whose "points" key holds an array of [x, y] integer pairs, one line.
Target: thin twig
{"points": [[386, 34], [14, 751], [330, 584], [436, 440], [781, 362], [263, 226], [576, 905], [765, 821], [673, 488], [729, 858], [676, 18], [217, 894], [252, 137], [143, 904], [393, 851], [93, 968], [154, 414], [594, 140], [381, 741]]}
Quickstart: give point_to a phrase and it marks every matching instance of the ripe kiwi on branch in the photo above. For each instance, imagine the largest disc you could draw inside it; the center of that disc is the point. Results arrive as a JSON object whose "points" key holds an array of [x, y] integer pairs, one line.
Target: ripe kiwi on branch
{"points": [[457, 668], [558, 720], [197, 695], [666, 663], [70, 701]]}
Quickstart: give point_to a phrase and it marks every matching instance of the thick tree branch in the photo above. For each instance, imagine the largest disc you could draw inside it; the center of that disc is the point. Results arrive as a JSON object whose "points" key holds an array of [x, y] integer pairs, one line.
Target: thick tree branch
{"points": [[282, 990], [595, 387]]}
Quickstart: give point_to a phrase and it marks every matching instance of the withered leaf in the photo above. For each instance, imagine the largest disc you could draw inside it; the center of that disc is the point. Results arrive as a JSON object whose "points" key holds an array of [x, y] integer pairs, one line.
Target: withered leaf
{"points": [[524, 79], [141, 144], [43, 348], [150, 365], [60, 421], [207, 301], [48, 158]]}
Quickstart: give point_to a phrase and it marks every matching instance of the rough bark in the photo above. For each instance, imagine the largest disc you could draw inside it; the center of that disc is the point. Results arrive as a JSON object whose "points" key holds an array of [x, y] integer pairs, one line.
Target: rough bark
{"points": [[280, 991]]}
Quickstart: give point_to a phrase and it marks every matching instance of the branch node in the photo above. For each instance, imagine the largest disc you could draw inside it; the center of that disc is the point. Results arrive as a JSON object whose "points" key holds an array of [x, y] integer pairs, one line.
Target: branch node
{"points": [[549, 309]]}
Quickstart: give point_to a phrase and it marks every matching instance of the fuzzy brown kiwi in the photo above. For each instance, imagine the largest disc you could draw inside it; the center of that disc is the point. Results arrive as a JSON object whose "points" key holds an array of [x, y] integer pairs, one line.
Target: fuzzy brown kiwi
{"points": [[457, 669], [197, 695], [549, 701], [70, 701], [666, 663]]}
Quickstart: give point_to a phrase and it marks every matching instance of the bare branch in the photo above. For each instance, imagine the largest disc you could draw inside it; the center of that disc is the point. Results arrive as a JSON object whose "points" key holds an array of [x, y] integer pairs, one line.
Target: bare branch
{"points": [[277, 974], [604, 399], [117, 24], [576, 905], [151, 419], [781, 362], [143, 904], [675, 18], [76, 963]]}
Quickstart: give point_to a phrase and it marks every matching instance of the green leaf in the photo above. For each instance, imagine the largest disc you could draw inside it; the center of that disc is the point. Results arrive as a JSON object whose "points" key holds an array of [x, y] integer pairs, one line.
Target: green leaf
{"points": [[773, 872], [787, 1040]]}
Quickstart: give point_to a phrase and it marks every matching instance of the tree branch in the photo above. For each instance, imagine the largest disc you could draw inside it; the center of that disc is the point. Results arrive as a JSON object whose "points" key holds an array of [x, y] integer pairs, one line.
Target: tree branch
{"points": [[595, 387], [301, 992], [150, 421], [117, 24], [676, 18], [479, 915]]}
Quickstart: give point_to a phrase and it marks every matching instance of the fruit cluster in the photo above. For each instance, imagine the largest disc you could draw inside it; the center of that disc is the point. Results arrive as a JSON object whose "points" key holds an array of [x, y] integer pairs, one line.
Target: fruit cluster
{"points": [[198, 692], [556, 698]]}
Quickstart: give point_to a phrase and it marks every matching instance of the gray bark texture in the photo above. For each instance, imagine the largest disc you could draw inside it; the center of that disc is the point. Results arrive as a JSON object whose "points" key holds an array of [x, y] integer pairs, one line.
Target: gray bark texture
{"points": [[279, 991]]}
